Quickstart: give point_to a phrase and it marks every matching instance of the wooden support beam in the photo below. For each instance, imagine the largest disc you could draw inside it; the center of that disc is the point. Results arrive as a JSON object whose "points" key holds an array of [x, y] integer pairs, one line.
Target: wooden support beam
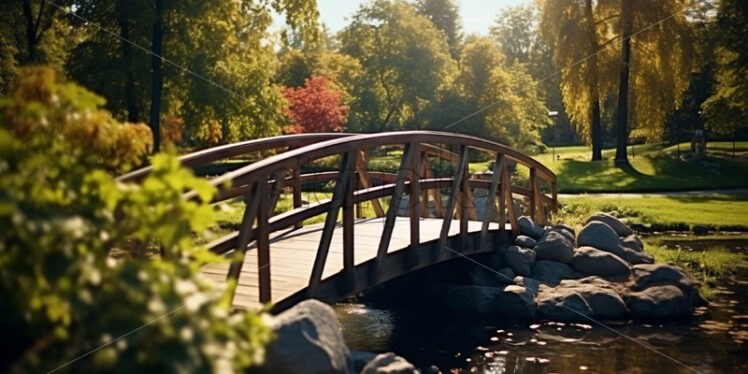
{"points": [[275, 192], [365, 182], [414, 204], [540, 217], [338, 197], [296, 185], [397, 194], [491, 208], [425, 212], [348, 217], [263, 244], [456, 186], [252, 203], [533, 196], [506, 185]]}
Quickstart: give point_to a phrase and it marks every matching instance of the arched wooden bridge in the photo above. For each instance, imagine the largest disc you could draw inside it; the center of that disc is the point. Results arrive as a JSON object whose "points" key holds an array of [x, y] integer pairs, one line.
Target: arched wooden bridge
{"points": [[276, 258]]}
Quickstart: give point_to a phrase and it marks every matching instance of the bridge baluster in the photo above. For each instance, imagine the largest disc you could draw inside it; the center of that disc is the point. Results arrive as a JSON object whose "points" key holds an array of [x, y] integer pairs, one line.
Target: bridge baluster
{"points": [[263, 243], [365, 182], [453, 195], [496, 170], [348, 212], [506, 187], [338, 197], [252, 203], [414, 206], [296, 186], [397, 194]]}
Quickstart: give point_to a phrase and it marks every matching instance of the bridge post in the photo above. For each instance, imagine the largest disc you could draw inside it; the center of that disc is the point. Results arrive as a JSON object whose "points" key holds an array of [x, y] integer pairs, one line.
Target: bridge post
{"points": [[263, 243], [414, 206], [252, 203], [397, 194], [496, 170], [462, 162], [296, 186], [348, 217]]}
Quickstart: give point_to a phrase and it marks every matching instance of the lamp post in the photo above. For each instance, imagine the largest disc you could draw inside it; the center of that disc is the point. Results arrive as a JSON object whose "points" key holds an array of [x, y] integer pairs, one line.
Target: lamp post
{"points": [[553, 114]]}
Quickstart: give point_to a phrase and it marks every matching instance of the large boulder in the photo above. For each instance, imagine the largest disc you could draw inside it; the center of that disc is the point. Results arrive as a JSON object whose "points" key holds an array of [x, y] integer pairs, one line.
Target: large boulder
{"points": [[469, 300], [554, 246], [308, 340], [360, 359], [564, 230], [559, 304], [634, 257], [562, 227], [552, 271], [528, 227], [619, 227], [601, 236], [660, 303], [525, 241], [602, 296], [389, 363], [517, 302], [648, 275], [519, 259], [592, 261]]}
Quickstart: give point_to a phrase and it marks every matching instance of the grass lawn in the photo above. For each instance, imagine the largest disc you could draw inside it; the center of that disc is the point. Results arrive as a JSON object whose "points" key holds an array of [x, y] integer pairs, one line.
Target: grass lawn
{"points": [[724, 212]]}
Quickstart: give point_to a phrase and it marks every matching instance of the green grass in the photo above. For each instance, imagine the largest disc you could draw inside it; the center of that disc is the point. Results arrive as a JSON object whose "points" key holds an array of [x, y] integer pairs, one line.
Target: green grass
{"points": [[724, 212], [707, 266]]}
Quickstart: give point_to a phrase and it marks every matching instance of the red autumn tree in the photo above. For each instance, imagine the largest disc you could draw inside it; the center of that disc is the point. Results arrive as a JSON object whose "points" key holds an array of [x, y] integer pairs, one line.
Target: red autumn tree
{"points": [[315, 107]]}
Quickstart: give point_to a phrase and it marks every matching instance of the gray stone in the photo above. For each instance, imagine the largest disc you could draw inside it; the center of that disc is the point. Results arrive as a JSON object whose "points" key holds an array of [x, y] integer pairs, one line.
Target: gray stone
{"points": [[634, 257], [468, 301], [484, 277], [552, 271], [554, 246], [563, 231], [360, 359], [561, 227], [519, 259], [530, 283], [619, 227], [529, 228], [389, 363], [517, 302], [601, 295], [592, 261], [646, 275], [563, 305], [660, 303], [308, 340], [525, 241], [601, 236], [632, 242]]}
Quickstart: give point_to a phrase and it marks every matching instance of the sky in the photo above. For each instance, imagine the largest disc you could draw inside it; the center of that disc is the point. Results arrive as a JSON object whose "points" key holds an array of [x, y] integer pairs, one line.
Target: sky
{"points": [[477, 15]]}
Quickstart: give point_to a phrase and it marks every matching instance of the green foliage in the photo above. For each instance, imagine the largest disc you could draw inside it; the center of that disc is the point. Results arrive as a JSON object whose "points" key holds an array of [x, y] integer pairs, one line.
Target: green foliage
{"points": [[445, 15], [78, 263]]}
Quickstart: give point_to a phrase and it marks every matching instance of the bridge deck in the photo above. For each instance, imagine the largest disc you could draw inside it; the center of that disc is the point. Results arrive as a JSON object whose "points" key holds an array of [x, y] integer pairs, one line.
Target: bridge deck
{"points": [[292, 254]]}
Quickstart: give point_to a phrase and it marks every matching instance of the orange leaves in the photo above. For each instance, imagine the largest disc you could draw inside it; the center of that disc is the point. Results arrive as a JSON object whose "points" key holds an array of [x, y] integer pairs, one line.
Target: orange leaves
{"points": [[315, 107]]}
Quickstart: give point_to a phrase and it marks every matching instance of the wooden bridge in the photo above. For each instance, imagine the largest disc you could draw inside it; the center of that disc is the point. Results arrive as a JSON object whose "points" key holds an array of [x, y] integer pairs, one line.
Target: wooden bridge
{"points": [[276, 258]]}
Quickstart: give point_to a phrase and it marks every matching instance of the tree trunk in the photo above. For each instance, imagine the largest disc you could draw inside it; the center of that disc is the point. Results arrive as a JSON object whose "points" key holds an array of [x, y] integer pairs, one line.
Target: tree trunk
{"points": [[157, 79], [31, 28], [594, 89], [623, 88], [130, 101]]}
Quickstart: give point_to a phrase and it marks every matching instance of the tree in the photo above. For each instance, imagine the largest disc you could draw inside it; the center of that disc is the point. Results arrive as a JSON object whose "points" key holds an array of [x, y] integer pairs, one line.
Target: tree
{"points": [[316, 107], [576, 34], [405, 64], [654, 66], [76, 247], [726, 109], [444, 14], [515, 32]]}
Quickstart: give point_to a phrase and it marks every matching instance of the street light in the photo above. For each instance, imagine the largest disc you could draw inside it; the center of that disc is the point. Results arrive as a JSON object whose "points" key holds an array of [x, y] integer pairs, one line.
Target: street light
{"points": [[553, 114]]}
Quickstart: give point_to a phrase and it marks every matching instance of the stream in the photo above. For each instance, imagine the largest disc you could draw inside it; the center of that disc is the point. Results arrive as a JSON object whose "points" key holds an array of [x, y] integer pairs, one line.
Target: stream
{"points": [[715, 341]]}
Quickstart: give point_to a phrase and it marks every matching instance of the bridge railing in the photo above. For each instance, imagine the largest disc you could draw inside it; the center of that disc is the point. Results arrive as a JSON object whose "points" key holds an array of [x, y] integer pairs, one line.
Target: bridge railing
{"points": [[262, 182]]}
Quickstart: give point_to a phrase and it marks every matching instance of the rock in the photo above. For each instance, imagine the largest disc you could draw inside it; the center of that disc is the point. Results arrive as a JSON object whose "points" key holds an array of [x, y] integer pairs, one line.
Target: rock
{"points": [[700, 230], [601, 236], [561, 227], [308, 340], [600, 295], [660, 303], [619, 227], [592, 261], [517, 302], [646, 275], [554, 246], [519, 259], [552, 271], [529, 228], [360, 359], [531, 284], [632, 242], [568, 234], [634, 257], [484, 277], [468, 301], [562, 305], [433, 369], [525, 241], [389, 363]]}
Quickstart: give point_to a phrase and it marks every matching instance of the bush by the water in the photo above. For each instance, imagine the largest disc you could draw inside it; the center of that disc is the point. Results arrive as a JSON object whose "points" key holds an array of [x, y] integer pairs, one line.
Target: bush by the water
{"points": [[85, 259]]}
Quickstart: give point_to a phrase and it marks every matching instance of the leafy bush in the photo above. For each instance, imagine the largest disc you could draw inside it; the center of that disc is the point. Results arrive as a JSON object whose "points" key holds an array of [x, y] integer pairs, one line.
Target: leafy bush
{"points": [[77, 266]]}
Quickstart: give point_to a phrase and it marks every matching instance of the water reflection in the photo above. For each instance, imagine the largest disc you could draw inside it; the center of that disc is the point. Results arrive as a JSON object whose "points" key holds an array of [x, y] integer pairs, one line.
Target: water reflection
{"points": [[715, 342]]}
